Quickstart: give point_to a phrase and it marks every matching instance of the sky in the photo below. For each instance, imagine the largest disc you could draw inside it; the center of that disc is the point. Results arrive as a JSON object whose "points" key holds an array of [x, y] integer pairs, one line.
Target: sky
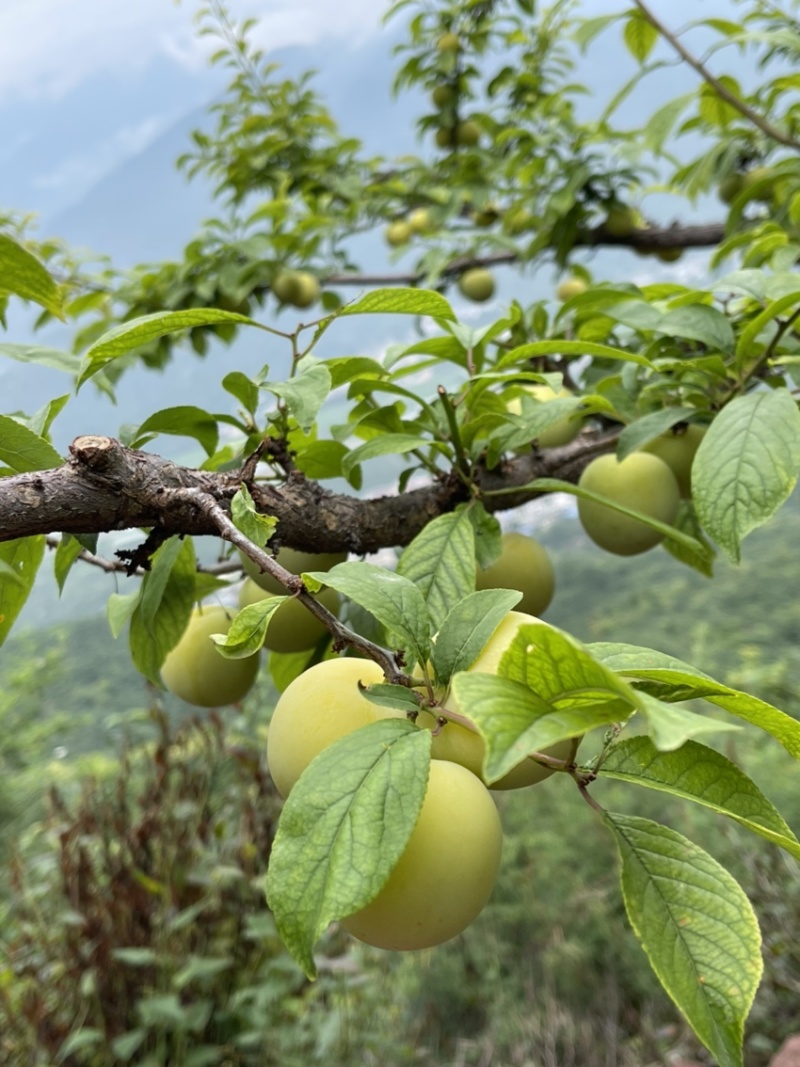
{"points": [[48, 47]]}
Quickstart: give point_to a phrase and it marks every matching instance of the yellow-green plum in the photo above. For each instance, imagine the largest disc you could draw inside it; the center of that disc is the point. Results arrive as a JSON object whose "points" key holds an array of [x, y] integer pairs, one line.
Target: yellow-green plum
{"points": [[443, 95], [524, 565], [293, 560], [292, 628], [420, 221], [642, 482], [196, 672], [730, 187], [571, 287], [560, 432], [317, 708], [677, 448], [477, 284], [296, 287], [622, 220], [448, 42], [447, 871], [460, 744], [398, 233], [468, 133]]}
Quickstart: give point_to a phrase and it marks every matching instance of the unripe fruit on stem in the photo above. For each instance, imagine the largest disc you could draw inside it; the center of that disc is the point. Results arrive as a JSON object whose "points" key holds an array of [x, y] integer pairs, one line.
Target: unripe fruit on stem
{"points": [[477, 284], [443, 95], [669, 255], [677, 448], [642, 482], [622, 220], [730, 187], [195, 671], [524, 565], [753, 177], [316, 709], [397, 233], [487, 216], [419, 220], [468, 133], [446, 874], [461, 745], [292, 628], [571, 287], [445, 137], [557, 433], [448, 42], [294, 561], [296, 287]]}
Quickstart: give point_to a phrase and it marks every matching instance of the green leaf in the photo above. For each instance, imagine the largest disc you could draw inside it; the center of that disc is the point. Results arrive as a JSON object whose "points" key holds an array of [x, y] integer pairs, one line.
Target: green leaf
{"points": [[343, 828], [304, 394], [394, 601], [466, 629], [440, 561], [248, 629], [686, 521], [570, 348], [699, 322], [560, 669], [387, 444], [150, 641], [555, 485], [697, 928], [68, 362], [671, 679], [401, 302], [67, 552], [284, 667], [396, 697], [155, 584], [243, 388], [670, 726], [646, 429], [488, 535], [698, 773], [84, 1038], [640, 36], [23, 556], [746, 466], [119, 608], [182, 421], [321, 459], [135, 957], [256, 527], [22, 450], [141, 331], [515, 722], [749, 335], [128, 1043], [21, 273]]}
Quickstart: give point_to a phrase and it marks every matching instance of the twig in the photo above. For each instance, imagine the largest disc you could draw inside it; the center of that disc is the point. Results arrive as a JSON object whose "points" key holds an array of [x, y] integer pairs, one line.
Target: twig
{"points": [[724, 93], [387, 661]]}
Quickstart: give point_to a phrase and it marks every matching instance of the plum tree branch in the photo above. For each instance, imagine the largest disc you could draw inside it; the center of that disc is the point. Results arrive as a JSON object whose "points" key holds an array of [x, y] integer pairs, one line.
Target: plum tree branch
{"points": [[209, 506], [725, 94], [105, 486], [652, 239]]}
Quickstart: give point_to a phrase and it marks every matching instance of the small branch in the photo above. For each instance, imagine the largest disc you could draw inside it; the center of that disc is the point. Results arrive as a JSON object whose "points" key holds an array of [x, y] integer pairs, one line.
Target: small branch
{"points": [[462, 462], [724, 94], [342, 636]]}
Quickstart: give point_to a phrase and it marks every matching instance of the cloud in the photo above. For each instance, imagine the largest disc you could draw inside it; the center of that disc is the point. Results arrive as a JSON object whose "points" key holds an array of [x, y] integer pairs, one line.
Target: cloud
{"points": [[81, 170], [48, 47]]}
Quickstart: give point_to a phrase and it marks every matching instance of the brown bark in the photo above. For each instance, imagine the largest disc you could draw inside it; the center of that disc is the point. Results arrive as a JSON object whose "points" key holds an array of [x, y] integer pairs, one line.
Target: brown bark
{"points": [[105, 486]]}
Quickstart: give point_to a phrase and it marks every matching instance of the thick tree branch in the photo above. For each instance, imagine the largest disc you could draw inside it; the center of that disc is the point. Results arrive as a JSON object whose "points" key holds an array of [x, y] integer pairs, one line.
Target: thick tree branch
{"points": [[652, 239], [105, 486], [730, 98]]}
